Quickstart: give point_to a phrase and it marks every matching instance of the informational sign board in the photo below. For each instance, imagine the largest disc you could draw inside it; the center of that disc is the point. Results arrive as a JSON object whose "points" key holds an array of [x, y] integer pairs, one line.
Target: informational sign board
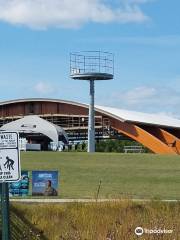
{"points": [[44, 183], [20, 188], [10, 170]]}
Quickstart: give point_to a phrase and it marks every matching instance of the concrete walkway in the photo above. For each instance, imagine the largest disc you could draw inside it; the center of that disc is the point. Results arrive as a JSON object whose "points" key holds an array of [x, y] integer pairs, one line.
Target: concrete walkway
{"points": [[55, 200]]}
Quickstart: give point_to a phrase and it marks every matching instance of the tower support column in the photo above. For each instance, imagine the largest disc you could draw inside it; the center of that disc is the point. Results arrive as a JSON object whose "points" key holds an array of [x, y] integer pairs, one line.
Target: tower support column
{"points": [[91, 131]]}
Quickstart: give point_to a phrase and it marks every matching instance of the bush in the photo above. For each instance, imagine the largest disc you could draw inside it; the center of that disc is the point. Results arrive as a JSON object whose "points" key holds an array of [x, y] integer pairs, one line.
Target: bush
{"points": [[116, 145]]}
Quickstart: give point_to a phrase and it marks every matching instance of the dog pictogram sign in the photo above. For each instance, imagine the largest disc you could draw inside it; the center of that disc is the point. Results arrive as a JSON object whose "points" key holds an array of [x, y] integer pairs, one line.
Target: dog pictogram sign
{"points": [[10, 170]]}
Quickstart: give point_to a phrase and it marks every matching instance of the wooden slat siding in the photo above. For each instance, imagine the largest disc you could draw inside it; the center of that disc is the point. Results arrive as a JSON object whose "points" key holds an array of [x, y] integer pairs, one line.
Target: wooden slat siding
{"points": [[42, 107]]}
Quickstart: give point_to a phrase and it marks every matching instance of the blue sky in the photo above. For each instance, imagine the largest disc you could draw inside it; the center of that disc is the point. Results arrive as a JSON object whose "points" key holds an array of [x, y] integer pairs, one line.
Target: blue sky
{"points": [[36, 37]]}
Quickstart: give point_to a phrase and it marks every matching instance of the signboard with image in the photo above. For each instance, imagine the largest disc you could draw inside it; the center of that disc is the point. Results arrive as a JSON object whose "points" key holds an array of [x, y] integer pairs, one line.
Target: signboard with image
{"points": [[20, 188], [44, 183]]}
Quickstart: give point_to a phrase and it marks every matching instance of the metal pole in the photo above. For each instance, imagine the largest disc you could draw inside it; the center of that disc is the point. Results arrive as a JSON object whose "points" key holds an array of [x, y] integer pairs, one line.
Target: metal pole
{"points": [[5, 211], [91, 132]]}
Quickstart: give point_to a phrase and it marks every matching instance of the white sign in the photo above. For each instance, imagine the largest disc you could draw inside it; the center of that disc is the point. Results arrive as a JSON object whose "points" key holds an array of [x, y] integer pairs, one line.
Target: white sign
{"points": [[10, 170]]}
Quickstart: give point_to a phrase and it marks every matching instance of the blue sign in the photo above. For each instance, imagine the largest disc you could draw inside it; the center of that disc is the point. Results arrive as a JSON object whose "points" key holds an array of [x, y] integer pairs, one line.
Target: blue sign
{"points": [[44, 183], [20, 188]]}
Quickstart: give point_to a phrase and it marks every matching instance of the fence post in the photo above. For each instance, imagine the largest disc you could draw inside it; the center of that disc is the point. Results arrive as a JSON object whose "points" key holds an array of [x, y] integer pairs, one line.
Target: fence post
{"points": [[5, 211]]}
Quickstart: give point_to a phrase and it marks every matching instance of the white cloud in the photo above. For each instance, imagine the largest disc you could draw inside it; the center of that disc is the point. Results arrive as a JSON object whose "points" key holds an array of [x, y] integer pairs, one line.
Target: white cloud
{"points": [[43, 88], [164, 99], [41, 14], [139, 94]]}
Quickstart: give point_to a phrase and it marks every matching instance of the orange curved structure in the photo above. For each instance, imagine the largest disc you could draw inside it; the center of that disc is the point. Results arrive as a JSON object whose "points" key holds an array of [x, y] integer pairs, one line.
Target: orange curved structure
{"points": [[73, 116], [171, 140], [166, 137], [143, 137]]}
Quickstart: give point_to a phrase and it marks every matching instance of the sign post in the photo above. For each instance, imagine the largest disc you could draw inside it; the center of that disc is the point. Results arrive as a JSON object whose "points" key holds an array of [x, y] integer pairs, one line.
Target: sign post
{"points": [[5, 212], [9, 172]]}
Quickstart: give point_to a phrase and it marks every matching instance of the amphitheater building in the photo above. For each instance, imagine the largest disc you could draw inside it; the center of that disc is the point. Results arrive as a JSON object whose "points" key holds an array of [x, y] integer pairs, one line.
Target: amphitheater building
{"points": [[45, 120]]}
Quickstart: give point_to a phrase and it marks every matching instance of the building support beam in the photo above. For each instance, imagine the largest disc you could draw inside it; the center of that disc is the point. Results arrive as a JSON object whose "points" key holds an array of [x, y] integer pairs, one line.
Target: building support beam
{"points": [[142, 136], [172, 141], [168, 138]]}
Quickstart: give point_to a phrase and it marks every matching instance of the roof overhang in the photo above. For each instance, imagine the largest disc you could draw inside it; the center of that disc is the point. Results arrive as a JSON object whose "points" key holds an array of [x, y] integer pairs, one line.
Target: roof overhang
{"points": [[156, 119]]}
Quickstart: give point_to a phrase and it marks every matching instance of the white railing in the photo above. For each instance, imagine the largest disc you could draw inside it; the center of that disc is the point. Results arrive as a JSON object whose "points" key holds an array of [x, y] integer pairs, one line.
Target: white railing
{"points": [[133, 149]]}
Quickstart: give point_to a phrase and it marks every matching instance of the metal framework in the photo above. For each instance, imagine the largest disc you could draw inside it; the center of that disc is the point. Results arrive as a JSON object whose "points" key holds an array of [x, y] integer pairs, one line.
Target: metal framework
{"points": [[88, 65]]}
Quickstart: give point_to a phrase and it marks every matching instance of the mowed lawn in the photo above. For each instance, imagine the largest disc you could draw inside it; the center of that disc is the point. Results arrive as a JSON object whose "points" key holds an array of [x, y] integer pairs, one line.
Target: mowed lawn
{"points": [[122, 175]]}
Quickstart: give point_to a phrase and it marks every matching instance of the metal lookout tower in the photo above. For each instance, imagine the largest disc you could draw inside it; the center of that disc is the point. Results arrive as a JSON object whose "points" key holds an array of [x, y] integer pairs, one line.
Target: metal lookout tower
{"points": [[91, 66]]}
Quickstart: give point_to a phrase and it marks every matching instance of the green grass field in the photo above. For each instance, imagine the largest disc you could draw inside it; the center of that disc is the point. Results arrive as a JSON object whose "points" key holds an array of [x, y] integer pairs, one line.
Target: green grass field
{"points": [[122, 175]]}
